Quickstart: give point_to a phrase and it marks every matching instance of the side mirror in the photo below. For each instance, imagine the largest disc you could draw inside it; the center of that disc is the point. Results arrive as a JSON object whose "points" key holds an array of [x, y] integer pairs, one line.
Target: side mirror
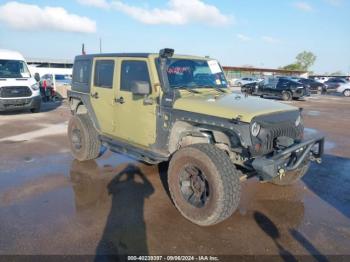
{"points": [[37, 77], [140, 88]]}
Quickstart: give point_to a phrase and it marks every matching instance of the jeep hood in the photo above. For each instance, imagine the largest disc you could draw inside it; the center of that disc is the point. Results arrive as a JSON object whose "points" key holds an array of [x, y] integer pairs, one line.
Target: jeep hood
{"points": [[229, 105]]}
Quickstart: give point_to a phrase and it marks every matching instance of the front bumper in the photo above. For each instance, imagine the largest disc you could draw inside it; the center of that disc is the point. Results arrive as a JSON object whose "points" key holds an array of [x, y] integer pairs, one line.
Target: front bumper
{"points": [[19, 103], [289, 159]]}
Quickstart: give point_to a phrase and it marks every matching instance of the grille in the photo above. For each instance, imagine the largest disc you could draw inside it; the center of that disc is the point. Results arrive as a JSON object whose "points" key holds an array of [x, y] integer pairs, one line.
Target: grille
{"points": [[15, 91], [268, 135], [275, 132]]}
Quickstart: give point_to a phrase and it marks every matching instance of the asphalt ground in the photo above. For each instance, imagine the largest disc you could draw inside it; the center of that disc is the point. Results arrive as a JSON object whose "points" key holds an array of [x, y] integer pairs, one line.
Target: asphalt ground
{"points": [[51, 204]]}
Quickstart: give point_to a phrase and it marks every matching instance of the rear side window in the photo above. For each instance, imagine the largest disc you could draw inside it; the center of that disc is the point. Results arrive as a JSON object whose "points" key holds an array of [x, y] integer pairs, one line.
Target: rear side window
{"points": [[104, 71], [81, 71], [133, 71]]}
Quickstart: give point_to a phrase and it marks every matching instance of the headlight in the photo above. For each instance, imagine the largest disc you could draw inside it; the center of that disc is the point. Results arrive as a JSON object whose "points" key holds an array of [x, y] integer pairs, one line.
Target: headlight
{"points": [[298, 121], [255, 129], [35, 86]]}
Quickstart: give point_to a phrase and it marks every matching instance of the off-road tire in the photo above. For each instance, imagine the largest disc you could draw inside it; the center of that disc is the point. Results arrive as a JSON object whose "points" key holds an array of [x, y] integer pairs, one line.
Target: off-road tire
{"points": [[291, 177], [90, 144], [287, 96], [223, 183]]}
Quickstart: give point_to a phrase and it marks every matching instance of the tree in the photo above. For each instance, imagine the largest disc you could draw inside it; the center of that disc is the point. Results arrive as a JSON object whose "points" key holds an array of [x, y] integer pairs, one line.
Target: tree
{"points": [[293, 67], [304, 61]]}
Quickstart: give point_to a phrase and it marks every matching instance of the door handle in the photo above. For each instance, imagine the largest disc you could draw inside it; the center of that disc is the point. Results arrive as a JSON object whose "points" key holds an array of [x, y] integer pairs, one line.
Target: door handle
{"points": [[95, 95], [148, 101], [120, 100]]}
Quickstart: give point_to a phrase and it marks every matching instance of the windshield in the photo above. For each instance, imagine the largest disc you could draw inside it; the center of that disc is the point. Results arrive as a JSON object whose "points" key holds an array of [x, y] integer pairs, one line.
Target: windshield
{"points": [[13, 69], [190, 73]]}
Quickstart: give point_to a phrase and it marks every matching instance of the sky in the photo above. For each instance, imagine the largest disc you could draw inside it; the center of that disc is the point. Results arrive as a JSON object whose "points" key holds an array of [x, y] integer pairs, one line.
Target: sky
{"points": [[267, 33]]}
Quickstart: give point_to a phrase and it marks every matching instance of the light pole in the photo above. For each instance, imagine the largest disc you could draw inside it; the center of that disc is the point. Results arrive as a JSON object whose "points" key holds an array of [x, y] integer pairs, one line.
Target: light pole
{"points": [[100, 45]]}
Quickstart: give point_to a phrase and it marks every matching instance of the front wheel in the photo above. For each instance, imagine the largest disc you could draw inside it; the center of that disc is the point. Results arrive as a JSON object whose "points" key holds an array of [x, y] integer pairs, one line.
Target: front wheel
{"points": [[291, 177], [204, 184], [36, 109], [83, 138]]}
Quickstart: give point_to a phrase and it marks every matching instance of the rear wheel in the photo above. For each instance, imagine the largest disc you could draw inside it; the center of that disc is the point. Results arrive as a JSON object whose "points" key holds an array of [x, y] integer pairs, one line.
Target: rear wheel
{"points": [[291, 177], [346, 93], [83, 138], [204, 184], [286, 96]]}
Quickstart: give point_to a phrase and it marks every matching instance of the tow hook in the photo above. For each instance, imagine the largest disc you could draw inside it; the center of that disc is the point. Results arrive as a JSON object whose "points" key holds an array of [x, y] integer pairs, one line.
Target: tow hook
{"points": [[317, 160], [281, 173]]}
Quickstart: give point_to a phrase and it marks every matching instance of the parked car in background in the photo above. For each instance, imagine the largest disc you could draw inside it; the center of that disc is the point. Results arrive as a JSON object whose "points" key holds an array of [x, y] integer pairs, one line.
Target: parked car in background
{"points": [[314, 86], [57, 83], [53, 80], [321, 79], [344, 89], [284, 88], [333, 83], [246, 80], [18, 88], [232, 81]]}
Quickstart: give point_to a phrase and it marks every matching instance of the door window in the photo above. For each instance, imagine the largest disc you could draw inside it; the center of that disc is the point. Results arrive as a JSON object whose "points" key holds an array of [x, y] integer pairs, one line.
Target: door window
{"points": [[133, 71], [104, 71]]}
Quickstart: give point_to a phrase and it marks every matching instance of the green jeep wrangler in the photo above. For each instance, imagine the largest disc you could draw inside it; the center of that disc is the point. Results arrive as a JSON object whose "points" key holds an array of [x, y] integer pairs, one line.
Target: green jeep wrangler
{"points": [[166, 107]]}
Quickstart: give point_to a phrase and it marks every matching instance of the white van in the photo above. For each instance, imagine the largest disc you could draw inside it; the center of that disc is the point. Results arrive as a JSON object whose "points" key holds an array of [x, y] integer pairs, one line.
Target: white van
{"points": [[18, 88]]}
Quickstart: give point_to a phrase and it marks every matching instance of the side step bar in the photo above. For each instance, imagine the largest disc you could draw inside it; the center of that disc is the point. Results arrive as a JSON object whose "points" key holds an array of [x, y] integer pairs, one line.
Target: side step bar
{"points": [[133, 151]]}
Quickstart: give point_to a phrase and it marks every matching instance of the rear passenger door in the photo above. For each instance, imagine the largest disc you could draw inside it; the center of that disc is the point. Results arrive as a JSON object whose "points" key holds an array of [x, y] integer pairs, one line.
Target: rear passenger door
{"points": [[102, 94], [135, 114]]}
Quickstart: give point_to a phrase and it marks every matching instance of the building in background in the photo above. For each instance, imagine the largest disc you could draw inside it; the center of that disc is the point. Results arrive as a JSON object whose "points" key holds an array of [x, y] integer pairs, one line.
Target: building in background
{"points": [[44, 66]]}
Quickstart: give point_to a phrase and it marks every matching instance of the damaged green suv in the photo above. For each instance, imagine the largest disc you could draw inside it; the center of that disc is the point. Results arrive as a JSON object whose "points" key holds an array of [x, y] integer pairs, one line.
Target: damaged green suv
{"points": [[166, 107]]}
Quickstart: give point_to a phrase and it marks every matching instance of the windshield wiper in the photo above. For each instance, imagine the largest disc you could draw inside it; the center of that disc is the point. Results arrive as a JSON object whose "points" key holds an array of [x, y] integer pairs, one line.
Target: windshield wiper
{"points": [[189, 89]]}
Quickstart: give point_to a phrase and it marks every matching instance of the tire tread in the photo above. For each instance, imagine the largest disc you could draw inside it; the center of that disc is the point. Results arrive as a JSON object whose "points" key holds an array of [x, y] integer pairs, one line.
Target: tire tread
{"points": [[230, 181], [93, 145]]}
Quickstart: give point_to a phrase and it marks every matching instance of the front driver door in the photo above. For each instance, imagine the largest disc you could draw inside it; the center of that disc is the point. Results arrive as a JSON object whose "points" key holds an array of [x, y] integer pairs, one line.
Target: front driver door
{"points": [[102, 92], [135, 114]]}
